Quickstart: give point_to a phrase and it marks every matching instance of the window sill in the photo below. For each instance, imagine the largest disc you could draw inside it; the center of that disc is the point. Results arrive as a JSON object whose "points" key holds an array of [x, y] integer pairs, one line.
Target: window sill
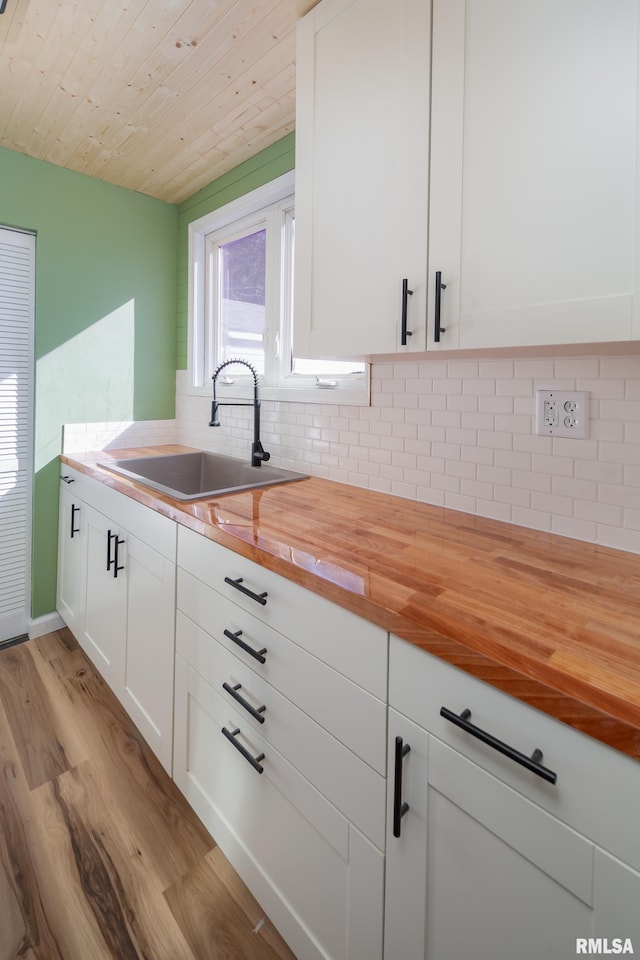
{"points": [[341, 396]]}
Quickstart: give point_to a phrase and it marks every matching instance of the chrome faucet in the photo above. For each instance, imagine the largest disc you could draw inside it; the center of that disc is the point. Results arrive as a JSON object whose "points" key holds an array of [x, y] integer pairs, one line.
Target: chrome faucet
{"points": [[258, 453]]}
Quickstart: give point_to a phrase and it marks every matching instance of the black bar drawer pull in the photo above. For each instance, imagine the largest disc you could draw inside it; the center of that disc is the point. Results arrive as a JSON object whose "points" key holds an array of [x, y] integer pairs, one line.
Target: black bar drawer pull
{"points": [[406, 293], [258, 597], [399, 808], [66, 478], [440, 286], [113, 561], [256, 654], [256, 713], [254, 761], [117, 567], [110, 537], [532, 763], [74, 510]]}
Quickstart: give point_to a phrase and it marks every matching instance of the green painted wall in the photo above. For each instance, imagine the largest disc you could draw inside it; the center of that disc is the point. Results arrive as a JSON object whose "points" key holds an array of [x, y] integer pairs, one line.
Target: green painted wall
{"points": [[265, 166], [105, 318]]}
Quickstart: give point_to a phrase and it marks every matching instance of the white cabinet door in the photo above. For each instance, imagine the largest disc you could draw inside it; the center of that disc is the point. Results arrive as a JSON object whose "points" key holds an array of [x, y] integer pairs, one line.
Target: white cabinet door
{"points": [[72, 551], [533, 199], [103, 638], [317, 877], [478, 870], [362, 140], [147, 684], [129, 626]]}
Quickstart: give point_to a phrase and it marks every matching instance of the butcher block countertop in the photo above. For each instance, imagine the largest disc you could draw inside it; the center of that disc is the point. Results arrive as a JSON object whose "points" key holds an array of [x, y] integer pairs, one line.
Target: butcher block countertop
{"points": [[551, 621]]}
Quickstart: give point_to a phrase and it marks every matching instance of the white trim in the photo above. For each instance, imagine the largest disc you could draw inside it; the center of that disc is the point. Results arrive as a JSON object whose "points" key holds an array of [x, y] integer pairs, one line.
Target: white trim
{"points": [[272, 192], [353, 391], [49, 623]]}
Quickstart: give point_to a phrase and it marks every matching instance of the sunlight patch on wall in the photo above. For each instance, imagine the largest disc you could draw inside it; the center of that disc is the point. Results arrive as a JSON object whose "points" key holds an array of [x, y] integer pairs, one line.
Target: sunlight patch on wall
{"points": [[87, 378]]}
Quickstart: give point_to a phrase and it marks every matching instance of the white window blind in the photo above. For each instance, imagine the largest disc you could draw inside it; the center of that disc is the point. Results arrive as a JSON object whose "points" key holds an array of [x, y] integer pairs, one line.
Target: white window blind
{"points": [[17, 258]]}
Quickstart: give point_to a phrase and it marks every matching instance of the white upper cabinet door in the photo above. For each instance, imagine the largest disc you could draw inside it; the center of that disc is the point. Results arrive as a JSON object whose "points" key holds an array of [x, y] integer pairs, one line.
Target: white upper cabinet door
{"points": [[534, 210], [362, 139]]}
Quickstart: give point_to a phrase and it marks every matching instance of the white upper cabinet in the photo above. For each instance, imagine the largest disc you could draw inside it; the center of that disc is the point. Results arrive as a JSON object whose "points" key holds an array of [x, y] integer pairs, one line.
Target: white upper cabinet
{"points": [[362, 139], [498, 143], [533, 206]]}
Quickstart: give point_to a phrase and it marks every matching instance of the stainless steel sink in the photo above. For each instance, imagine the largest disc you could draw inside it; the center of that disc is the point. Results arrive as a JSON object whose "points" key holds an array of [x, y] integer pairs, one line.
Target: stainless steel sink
{"points": [[194, 476]]}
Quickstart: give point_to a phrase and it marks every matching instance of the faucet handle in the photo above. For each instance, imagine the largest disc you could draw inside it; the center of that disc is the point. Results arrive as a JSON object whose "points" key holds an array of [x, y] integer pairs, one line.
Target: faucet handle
{"points": [[258, 454]]}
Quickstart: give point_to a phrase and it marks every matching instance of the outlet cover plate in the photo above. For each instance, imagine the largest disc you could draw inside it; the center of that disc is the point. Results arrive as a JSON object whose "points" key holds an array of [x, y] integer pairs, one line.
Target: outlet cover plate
{"points": [[562, 413]]}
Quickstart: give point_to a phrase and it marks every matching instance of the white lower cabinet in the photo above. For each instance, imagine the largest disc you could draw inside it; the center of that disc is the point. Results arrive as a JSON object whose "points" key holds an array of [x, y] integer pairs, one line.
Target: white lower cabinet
{"points": [[476, 866], [270, 748], [315, 874], [116, 592], [72, 550]]}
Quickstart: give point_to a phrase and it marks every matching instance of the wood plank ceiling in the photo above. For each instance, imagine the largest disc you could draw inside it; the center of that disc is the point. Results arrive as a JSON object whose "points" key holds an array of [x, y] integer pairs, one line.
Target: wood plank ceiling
{"points": [[161, 96]]}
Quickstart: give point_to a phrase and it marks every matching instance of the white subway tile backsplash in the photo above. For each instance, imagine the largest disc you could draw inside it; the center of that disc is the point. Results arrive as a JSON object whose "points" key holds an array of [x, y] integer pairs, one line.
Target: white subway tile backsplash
{"points": [[531, 481], [571, 369], [492, 404], [495, 369], [620, 368], [459, 433], [570, 527], [534, 369], [536, 519], [494, 510], [600, 513]]}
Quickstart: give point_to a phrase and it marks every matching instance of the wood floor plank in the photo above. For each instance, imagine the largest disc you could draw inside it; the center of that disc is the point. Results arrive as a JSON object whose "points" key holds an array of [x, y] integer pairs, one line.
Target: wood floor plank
{"points": [[28, 711], [171, 838], [227, 877], [219, 920], [23, 907], [106, 904], [52, 645]]}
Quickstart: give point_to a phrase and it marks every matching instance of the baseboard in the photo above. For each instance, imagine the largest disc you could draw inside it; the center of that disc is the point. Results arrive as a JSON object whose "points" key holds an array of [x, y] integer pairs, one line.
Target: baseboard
{"points": [[47, 624]]}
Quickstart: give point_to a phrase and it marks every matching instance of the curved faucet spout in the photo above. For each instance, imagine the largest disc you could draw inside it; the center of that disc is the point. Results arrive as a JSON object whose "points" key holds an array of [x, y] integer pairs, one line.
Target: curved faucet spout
{"points": [[258, 453]]}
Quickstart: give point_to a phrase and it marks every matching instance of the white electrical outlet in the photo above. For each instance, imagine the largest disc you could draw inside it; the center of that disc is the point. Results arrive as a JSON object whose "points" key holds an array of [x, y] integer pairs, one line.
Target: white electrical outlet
{"points": [[562, 413]]}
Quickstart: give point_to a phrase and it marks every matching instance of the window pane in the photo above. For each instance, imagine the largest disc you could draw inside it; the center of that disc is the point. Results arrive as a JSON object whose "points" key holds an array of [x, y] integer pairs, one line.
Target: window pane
{"points": [[242, 286]]}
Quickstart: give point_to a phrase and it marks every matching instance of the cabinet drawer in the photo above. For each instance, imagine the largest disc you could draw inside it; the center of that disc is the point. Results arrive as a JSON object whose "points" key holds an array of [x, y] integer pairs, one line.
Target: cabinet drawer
{"points": [[348, 712], [152, 528], [344, 641], [345, 780], [597, 790], [317, 877], [74, 482]]}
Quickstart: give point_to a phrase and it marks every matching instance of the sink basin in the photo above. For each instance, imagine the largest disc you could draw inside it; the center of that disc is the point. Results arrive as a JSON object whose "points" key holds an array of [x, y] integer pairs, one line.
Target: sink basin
{"points": [[194, 476]]}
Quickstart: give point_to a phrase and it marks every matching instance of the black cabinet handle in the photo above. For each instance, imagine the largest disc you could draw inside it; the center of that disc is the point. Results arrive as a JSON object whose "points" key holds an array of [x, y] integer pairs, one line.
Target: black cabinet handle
{"points": [[74, 510], [256, 654], [254, 761], [113, 561], [440, 286], [399, 808], [256, 713], [406, 293], [110, 537], [532, 763], [238, 584], [116, 566], [67, 478]]}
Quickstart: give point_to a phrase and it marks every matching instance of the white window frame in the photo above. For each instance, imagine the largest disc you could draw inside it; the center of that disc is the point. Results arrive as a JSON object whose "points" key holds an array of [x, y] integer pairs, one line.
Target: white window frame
{"points": [[272, 204]]}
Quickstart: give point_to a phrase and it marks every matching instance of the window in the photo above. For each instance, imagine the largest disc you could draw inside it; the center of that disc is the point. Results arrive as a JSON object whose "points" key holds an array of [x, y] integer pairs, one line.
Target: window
{"points": [[241, 303]]}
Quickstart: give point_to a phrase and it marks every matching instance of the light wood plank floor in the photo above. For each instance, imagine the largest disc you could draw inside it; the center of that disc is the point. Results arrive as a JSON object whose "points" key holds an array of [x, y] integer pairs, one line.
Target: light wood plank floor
{"points": [[101, 858]]}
